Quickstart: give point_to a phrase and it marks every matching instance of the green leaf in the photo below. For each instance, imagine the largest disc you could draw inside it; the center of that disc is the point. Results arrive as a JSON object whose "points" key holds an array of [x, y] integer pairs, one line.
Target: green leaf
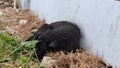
{"points": [[14, 56], [17, 49], [4, 60], [24, 60], [8, 39], [29, 44]]}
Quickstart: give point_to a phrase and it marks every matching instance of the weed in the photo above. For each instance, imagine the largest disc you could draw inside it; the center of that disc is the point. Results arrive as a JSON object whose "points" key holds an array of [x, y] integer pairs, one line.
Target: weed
{"points": [[12, 49], [7, 44]]}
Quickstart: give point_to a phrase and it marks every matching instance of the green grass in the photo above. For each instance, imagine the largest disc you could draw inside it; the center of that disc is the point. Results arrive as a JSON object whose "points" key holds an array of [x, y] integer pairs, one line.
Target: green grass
{"points": [[7, 44], [11, 50]]}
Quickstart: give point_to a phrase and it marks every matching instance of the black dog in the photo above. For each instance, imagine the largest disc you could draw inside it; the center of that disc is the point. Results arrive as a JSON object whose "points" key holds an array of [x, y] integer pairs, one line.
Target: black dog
{"points": [[58, 36]]}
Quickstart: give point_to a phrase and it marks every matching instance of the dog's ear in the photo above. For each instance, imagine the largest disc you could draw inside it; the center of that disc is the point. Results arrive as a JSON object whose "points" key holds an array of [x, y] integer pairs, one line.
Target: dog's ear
{"points": [[47, 26]]}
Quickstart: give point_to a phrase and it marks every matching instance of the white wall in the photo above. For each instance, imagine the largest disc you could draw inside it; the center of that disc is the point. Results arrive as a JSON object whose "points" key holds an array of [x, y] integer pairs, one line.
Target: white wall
{"points": [[25, 4], [98, 19]]}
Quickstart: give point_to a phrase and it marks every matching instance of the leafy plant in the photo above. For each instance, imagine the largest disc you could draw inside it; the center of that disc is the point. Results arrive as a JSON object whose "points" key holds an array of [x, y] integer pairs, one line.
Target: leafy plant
{"points": [[22, 51], [23, 46], [8, 40], [4, 60], [7, 44]]}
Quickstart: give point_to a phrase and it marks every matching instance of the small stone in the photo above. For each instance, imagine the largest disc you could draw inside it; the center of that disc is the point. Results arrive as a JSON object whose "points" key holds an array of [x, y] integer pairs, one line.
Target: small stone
{"points": [[22, 22], [17, 10], [34, 30], [48, 61], [1, 13], [6, 3], [10, 30]]}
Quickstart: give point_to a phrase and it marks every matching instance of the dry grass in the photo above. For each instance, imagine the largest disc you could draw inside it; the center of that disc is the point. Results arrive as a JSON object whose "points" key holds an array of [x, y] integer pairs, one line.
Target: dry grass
{"points": [[80, 59], [14, 18], [6, 3]]}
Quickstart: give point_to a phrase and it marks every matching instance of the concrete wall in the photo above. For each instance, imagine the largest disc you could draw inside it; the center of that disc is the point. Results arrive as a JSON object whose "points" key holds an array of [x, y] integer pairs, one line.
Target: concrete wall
{"points": [[25, 4], [98, 19]]}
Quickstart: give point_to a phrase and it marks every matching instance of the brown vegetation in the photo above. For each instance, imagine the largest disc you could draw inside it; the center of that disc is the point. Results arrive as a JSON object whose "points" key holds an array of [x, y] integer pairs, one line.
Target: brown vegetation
{"points": [[20, 24], [80, 59]]}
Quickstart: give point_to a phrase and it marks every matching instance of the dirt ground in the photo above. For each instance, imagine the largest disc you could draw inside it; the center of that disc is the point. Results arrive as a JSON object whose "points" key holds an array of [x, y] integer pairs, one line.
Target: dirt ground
{"points": [[19, 24], [23, 24]]}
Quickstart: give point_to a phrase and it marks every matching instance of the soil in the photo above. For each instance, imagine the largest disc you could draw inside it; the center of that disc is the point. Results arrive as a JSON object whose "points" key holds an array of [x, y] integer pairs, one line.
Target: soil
{"points": [[18, 23]]}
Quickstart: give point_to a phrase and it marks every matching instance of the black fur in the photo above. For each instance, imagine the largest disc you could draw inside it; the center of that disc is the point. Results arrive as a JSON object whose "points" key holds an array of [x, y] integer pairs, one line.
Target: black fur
{"points": [[58, 36]]}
